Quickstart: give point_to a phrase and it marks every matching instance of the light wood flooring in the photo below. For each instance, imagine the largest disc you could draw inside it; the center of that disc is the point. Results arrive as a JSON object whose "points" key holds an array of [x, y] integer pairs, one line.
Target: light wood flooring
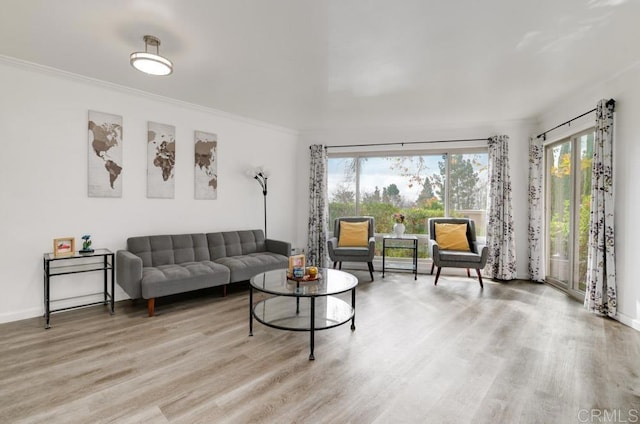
{"points": [[514, 352]]}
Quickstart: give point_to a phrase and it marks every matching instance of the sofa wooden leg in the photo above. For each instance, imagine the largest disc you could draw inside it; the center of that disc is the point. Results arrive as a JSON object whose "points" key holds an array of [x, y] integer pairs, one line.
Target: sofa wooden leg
{"points": [[335, 264], [433, 265], [468, 273], [151, 306], [370, 269], [435, 283], [340, 266], [224, 290], [479, 277]]}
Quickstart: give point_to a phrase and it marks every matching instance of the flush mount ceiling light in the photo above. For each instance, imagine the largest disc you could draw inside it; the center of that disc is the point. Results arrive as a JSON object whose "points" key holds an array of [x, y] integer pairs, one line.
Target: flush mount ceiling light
{"points": [[149, 63]]}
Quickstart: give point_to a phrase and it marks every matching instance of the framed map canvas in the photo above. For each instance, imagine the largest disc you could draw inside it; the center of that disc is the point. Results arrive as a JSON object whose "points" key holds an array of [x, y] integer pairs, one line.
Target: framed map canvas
{"points": [[206, 165], [105, 155], [161, 160]]}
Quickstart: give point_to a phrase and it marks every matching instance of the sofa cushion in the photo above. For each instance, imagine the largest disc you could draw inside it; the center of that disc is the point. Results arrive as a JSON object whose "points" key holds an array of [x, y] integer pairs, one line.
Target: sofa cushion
{"points": [[459, 256], [169, 279], [169, 249], [243, 267], [235, 243], [352, 251]]}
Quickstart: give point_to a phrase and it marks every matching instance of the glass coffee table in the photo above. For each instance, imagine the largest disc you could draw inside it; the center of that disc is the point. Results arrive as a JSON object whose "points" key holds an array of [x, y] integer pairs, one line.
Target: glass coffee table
{"points": [[303, 305]]}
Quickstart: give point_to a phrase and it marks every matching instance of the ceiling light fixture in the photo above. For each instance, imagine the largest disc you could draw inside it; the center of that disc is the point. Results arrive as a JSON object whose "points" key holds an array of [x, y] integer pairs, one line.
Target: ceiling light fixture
{"points": [[149, 63]]}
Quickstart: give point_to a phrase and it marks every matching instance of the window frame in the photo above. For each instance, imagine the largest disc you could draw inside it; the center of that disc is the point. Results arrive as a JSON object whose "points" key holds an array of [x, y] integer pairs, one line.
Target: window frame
{"points": [[357, 155]]}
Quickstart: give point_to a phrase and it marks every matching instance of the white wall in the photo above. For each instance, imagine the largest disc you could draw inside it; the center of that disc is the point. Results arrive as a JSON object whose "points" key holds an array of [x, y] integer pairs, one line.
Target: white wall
{"points": [[43, 177], [518, 132], [624, 87]]}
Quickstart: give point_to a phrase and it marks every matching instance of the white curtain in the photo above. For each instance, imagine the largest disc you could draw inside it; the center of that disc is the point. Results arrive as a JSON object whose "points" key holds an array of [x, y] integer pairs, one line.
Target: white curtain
{"points": [[501, 263], [536, 211], [600, 296], [318, 207]]}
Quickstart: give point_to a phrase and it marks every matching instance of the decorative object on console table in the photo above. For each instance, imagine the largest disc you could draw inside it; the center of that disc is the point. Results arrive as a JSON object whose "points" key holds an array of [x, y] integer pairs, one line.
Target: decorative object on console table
{"points": [[261, 176], [86, 244], [206, 165], [64, 246], [398, 227]]}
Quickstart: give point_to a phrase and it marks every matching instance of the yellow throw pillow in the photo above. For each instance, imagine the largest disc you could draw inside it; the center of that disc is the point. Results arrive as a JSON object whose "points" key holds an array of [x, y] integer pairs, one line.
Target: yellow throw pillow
{"points": [[354, 234], [452, 237]]}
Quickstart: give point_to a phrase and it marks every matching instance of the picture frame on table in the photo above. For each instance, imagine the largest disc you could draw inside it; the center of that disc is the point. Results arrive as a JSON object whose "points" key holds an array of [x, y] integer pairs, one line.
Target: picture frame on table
{"points": [[296, 261], [64, 246]]}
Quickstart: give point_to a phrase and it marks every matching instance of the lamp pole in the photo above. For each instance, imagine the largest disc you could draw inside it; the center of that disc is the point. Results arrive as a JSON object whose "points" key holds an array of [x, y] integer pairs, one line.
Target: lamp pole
{"points": [[261, 177]]}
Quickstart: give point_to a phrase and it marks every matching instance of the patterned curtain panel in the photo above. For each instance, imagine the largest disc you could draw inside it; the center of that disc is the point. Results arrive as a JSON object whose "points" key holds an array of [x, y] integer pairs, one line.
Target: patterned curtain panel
{"points": [[318, 207], [501, 263], [536, 211], [600, 295]]}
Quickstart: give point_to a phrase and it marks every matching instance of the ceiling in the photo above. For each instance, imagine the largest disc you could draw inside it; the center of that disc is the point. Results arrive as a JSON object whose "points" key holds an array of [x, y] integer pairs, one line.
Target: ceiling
{"points": [[337, 64]]}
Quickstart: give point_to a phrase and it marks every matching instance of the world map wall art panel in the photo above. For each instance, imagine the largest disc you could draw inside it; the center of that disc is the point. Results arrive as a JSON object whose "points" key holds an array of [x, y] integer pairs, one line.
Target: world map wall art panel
{"points": [[161, 160], [105, 155], [206, 165]]}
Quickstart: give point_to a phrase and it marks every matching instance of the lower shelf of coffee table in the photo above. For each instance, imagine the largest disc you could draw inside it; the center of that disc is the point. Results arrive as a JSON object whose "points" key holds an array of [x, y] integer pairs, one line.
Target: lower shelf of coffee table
{"points": [[294, 313]]}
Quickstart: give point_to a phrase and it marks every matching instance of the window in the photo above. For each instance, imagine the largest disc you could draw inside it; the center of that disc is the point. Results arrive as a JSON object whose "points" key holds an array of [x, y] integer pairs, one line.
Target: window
{"points": [[568, 197], [419, 185]]}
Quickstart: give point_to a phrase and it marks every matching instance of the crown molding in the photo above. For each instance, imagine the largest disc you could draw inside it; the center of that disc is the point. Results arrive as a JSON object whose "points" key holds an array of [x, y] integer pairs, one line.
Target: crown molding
{"points": [[55, 72]]}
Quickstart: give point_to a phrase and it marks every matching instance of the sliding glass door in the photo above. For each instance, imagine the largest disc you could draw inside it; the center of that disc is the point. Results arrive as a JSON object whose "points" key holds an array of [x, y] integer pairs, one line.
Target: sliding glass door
{"points": [[568, 196]]}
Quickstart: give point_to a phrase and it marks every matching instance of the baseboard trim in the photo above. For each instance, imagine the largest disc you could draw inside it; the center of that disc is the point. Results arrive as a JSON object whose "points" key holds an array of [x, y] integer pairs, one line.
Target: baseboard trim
{"points": [[20, 315], [628, 321]]}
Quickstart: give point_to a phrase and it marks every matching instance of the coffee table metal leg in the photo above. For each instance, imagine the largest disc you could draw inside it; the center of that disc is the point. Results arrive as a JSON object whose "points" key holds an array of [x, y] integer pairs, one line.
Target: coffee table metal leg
{"points": [[353, 305], [312, 326], [250, 310]]}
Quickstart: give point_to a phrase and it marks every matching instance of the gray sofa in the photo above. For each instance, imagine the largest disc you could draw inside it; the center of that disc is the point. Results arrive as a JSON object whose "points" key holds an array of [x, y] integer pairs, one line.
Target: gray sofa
{"points": [[162, 265]]}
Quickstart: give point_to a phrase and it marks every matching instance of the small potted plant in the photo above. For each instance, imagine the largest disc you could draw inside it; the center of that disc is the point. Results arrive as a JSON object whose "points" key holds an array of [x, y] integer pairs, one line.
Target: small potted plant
{"points": [[398, 227], [86, 244]]}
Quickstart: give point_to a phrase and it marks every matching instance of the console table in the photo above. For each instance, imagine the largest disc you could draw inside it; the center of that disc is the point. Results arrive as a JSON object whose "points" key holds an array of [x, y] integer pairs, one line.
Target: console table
{"points": [[303, 305], [98, 260], [402, 242]]}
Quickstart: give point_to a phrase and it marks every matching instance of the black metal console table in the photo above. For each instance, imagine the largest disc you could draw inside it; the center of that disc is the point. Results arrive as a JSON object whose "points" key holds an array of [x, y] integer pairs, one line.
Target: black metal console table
{"points": [[395, 242], [99, 260]]}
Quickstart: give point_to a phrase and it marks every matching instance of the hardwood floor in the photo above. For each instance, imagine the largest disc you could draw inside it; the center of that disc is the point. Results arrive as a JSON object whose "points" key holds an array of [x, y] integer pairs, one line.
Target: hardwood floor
{"points": [[511, 353]]}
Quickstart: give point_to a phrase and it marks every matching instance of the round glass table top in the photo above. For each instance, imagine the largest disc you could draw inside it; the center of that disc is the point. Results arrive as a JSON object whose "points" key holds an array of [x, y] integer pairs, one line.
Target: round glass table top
{"points": [[330, 281]]}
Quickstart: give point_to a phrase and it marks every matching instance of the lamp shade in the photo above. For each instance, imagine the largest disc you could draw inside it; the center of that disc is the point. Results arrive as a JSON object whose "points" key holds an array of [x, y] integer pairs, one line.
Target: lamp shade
{"points": [[149, 63], [152, 64]]}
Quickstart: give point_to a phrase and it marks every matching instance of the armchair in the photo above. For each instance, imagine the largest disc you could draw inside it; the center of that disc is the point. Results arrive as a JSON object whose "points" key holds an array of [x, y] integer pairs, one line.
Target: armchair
{"points": [[475, 258], [364, 252]]}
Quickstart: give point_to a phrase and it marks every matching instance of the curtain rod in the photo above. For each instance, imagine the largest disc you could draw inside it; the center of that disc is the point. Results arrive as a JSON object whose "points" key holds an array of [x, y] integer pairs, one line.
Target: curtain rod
{"points": [[408, 143], [543, 134]]}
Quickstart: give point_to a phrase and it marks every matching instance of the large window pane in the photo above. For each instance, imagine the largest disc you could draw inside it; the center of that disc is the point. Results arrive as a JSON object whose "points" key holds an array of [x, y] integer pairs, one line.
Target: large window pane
{"points": [[559, 198], [584, 207], [417, 186], [341, 188], [399, 184], [468, 181]]}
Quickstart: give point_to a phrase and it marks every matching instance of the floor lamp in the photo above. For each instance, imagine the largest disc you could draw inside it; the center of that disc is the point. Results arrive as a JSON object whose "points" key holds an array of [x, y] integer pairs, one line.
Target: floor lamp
{"points": [[261, 176]]}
